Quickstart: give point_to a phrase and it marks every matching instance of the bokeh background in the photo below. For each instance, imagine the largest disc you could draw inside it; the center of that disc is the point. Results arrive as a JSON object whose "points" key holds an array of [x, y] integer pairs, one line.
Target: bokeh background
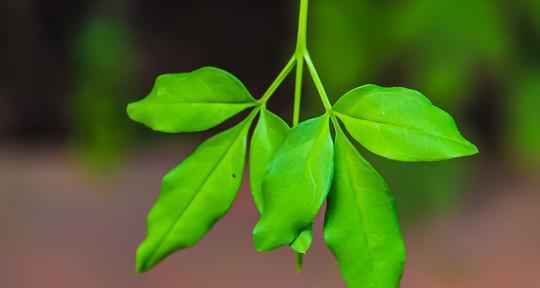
{"points": [[77, 177]]}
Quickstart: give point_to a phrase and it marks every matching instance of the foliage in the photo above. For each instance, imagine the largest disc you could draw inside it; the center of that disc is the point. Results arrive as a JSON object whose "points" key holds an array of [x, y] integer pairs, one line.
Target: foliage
{"points": [[293, 170], [475, 58], [524, 119], [102, 57]]}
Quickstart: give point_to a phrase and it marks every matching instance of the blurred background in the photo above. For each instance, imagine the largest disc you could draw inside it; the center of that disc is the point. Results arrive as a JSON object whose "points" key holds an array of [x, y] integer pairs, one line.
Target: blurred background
{"points": [[77, 177]]}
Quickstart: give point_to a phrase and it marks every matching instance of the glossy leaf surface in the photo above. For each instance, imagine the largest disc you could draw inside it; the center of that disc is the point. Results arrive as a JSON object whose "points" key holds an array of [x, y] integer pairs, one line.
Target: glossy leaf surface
{"points": [[195, 195], [194, 101], [401, 124], [361, 224], [302, 243], [295, 184], [270, 132]]}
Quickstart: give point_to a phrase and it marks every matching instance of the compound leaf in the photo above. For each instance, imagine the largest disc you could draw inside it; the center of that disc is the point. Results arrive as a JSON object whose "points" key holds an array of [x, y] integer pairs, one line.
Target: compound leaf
{"points": [[295, 184], [190, 102], [361, 226], [195, 195], [401, 124]]}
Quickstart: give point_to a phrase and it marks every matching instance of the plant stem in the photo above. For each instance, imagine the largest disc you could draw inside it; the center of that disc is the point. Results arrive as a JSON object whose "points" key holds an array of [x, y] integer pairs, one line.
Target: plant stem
{"points": [[298, 90], [302, 27], [300, 55], [301, 45], [277, 82], [318, 82]]}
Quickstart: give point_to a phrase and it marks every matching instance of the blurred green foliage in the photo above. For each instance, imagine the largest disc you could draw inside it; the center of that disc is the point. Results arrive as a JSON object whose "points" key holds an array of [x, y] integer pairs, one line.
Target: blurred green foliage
{"points": [[446, 49], [523, 119], [104, 64], [435, 46]]}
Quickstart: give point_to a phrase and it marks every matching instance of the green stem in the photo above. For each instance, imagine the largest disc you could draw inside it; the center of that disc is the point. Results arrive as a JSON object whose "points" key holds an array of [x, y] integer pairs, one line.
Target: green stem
{"points": [[298, 90], [302, 27], [253, 113], [277, 82], [335, 122], [318, 82], [300, 55], [301, 45]]}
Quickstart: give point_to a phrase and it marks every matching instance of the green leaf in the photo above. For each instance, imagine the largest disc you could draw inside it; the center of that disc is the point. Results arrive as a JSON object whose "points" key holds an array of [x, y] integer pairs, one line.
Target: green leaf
{"points": [[361, 226], [401, 124], [270, 132], [303, 242], [194, 101], [295, 184], [301, 245], [195, 195]]}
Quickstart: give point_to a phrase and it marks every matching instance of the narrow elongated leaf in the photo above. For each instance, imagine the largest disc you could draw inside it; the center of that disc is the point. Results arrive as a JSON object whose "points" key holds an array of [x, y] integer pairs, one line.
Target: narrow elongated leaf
{"points": [[401, 124], [361, 226], [194, 101], [268, 135], [295, 184], [195, 195]]}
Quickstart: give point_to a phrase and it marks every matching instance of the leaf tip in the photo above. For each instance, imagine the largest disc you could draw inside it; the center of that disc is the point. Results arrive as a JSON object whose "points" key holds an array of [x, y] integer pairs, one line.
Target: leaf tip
{"points": [[131, 110], [263, 239], [474, 149], [140, 269], [302, 243], [144, 261], [141, 262], [471, 149], [259, 240]]}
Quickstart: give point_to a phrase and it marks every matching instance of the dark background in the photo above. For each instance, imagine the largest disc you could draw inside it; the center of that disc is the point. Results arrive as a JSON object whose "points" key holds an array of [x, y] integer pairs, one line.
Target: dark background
{"points": [[77, 177]]}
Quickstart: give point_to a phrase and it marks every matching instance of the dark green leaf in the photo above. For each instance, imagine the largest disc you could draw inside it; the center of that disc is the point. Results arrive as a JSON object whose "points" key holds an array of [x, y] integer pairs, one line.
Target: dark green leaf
{"points": [[295, 184], [361, 226], [194, 101], [401, 124], [195, 195], [268, 135]]}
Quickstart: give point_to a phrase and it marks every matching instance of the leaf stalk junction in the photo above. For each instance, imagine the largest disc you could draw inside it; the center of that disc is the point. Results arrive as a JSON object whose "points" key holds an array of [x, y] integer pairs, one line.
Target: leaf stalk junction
{"points": [[300, 57]]}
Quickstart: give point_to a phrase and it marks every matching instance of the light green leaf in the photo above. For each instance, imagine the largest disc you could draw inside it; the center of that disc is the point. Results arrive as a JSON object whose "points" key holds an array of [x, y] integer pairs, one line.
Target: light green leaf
{"points": [[295, 184], [401, 124], [195, 195], [302, 243], [361, 226], [194, 101], [270, 132]]}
